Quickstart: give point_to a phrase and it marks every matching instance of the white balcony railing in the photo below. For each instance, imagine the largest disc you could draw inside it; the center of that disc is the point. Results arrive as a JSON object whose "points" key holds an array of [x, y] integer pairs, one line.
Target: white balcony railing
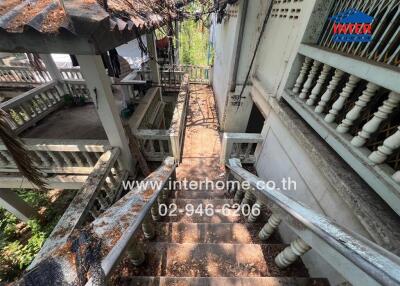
{"points": [[22, 75], [240, 145], [354, 106], [58, 156]]}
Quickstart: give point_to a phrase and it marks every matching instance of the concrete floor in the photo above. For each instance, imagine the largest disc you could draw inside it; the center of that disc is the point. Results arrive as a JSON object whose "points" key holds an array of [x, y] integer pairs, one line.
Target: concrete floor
{"points": [[79, 122]]}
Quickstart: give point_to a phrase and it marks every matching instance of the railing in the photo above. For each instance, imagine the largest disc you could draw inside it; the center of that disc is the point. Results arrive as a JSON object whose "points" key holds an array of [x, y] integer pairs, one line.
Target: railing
{"points": [[355, 107], [357, 259], [22, 75], [197, 74], [384, 46], [101, 190], [108, 237], [240, 145], [30, 107], [160, 143], [71, 73], [60, 157]]}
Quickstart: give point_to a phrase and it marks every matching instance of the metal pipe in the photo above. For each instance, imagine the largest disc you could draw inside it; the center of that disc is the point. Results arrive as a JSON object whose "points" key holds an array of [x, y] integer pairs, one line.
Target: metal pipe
{"points": [[239, 46]]}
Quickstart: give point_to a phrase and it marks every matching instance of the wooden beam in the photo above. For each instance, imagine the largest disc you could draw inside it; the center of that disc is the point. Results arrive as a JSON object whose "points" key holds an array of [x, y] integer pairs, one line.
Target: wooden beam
{"points": [[10, 200]]}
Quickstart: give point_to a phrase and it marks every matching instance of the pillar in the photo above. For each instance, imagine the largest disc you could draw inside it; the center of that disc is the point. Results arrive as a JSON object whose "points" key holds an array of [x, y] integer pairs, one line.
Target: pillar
{"points": [[15, 205], [152, 49], [99, 85]]}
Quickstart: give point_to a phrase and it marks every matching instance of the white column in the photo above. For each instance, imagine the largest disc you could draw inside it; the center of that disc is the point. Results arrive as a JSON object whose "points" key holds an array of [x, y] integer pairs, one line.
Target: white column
{"points": [[15, 205], [152, 49], [99, 86], [51, 67]]}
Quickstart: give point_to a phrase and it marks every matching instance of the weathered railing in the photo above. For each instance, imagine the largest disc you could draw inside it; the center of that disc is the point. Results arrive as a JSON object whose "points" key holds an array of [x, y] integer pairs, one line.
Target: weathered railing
{"points": [[240, 145], [22, 75], [101, 190], [159, 143], [71, 73], [358, 260], [355, 107], [106, 239], [33, 105], [385, 30], [197, 74], [60, 157]]}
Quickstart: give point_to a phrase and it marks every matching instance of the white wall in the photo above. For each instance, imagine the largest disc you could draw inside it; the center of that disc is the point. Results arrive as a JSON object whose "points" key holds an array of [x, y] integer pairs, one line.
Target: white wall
{"points": [[281, 157]]}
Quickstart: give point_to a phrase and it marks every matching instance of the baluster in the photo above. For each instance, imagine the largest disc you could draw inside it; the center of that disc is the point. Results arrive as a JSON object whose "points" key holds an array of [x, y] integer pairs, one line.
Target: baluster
{"points": [[155, 212], [77, 159], [3, 159], [317, 88], [160, 142], [269, 228], [390, 144], [249, 198], [55, 159], [355, 112], [258, 207], [148, 228], [110, 194], [112, 180], [238, 196], [396, 176], [43, 158], [8, 157], [136, 254], [307, 85], [248, 150], [372, 126], [26, 113], [66, 159], [102, 202], [302, 76], [339, 103], [89, 160], [291, 253], [329, 91]]}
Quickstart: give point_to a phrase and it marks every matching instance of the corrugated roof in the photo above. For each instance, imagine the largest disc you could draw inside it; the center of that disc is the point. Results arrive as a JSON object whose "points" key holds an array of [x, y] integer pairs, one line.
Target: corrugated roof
{"points": [[102, 25]]}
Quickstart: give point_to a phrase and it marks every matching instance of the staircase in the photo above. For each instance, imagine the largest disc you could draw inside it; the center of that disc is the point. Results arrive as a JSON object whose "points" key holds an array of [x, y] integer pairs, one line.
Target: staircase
{"points": [[208, 249]]}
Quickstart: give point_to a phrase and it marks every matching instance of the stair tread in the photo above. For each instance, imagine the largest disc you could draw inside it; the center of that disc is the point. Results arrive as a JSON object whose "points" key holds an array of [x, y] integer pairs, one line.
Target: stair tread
{"points": [[227, 281], [199, 195], [211, 233], [212, 260]]}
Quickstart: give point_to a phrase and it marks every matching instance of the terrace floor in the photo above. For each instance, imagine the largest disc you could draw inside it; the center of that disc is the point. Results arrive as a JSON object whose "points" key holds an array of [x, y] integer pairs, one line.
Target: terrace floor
{"points": [[78, 122]]}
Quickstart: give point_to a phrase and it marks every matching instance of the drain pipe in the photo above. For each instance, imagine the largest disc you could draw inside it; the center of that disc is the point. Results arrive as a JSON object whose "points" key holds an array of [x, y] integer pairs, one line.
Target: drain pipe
{"points": [[239, 47]]}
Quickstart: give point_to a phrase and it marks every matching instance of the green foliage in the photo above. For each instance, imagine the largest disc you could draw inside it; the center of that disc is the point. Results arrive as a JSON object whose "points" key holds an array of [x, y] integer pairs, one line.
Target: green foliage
{"points": [[20, 242], [194, 38]]}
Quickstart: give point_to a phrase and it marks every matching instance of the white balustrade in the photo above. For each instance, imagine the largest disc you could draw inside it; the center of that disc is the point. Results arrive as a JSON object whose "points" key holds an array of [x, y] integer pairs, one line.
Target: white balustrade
{"points": [[64, 156], [28, 108], [22, 75], [240, 145]]}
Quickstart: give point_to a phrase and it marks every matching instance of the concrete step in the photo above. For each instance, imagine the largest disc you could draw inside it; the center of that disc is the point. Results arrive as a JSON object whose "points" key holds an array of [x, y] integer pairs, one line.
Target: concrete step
{"points": [[210, 233], [211, 260], [226, 281]]}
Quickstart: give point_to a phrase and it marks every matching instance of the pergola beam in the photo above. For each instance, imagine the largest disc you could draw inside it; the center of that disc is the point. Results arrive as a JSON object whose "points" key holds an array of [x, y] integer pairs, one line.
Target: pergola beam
{"points": [[10, 200]]}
